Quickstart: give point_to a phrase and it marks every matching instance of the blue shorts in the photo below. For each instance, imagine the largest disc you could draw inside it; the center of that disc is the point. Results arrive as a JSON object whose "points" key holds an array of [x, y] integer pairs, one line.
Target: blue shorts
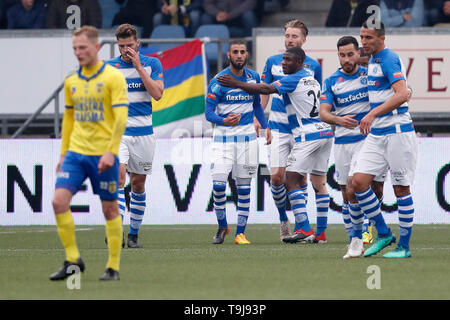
{"points": [[77, 167]]}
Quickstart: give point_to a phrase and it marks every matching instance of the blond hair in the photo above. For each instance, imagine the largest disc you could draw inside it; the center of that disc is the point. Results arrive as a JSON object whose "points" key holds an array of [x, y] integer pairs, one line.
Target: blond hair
{"points": [[91, 33], [298, 24]]}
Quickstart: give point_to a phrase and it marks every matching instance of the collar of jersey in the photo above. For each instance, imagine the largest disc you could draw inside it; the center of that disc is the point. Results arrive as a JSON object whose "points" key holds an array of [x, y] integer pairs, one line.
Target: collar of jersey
{"points": [[94, 75]]}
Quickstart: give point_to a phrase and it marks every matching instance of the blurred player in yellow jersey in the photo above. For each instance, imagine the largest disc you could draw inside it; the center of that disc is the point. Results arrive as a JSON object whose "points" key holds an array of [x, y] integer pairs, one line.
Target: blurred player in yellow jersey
{"points": [[95, 117]]}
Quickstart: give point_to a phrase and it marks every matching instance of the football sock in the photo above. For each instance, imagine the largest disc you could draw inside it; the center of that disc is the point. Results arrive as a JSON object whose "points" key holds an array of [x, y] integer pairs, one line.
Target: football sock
{"points": [[243, 207], [279, 196], [121, 201], [405, 219], [370, 206], [322, 204], [347, 220], [304, 190], [357, 218], [299, 208], [220, 198], [366, 225], [137, 210], [114, 236], [66, 231]]}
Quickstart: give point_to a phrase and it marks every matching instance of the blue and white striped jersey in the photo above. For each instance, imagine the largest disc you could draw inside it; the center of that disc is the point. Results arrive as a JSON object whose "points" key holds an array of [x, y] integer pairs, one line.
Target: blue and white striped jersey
{"points": [[272, 72], [386, 68], [347, 94], [301, 95], [139, 121], [226, 100]]}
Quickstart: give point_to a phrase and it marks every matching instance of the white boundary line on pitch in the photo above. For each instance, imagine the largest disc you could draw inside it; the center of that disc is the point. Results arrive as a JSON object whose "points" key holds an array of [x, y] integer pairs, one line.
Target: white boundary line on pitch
{"points": [[42, 230]]}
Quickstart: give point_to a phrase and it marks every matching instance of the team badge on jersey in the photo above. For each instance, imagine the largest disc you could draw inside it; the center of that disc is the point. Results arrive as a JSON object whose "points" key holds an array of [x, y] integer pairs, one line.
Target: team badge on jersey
{"points": [[363, 80], [73, 90], [112, 187], [99, 87]]}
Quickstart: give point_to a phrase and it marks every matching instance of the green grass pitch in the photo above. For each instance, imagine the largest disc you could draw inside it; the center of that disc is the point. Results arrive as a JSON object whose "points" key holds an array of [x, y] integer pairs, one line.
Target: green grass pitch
{"points": [[179, 262]]}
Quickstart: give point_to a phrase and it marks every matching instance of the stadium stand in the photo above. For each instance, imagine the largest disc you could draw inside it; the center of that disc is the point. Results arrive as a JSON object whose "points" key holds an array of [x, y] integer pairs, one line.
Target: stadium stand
{"points": [[166, 31]]}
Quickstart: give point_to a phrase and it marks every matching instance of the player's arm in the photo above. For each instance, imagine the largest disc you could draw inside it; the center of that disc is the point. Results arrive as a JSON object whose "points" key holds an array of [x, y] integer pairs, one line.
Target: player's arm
{"points": [[67, 124], [119, 103], [327, 116], [263, 88], [400, 96], [154, 84]]}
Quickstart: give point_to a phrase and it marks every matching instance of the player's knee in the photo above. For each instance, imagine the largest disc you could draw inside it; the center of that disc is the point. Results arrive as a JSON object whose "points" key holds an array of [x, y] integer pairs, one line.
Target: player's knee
{"points": [[358, 184], [377, 188], [60, 205], [401, 191], [110, 209], [277, 179]]}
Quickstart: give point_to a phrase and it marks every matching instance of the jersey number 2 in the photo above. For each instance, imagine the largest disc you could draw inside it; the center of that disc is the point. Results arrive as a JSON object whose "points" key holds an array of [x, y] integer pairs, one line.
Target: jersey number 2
{"points": [[314, 112]]}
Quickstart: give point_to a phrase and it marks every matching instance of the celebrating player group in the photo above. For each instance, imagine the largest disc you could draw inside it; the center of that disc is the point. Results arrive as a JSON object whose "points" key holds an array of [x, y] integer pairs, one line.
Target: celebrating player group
{"points": [[107, 131], [365, 110]]}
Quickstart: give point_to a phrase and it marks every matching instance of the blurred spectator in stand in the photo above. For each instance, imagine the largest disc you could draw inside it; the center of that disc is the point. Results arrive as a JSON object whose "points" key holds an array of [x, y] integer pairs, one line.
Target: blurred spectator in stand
{"points": [[4, 6], [186, 13], [402, 13], [57, 16], [437, 11], [238, 15], [349, 13], [26, 15], [137, 12]]}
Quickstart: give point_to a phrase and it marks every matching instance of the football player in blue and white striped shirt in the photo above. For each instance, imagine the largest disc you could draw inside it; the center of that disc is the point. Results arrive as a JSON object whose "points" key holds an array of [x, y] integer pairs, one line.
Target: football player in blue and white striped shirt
{"points": [[144, 78], [311, 151], [346, 92], [235, 147], [295, 33], [391, 141]]}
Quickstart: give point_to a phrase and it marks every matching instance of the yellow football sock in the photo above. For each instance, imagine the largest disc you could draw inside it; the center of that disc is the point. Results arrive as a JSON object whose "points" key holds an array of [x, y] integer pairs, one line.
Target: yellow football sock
{"points": [[114, 236], [66, 231]]}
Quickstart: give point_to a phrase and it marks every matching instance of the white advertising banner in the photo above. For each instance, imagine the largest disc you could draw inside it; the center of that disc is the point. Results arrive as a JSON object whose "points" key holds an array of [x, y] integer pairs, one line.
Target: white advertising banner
{"points": [[426, 58], [179, 189]]}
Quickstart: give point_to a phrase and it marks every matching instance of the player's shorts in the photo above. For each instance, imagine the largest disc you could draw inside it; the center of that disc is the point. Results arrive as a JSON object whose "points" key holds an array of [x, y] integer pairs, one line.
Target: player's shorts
{"points": [[345, 157], [77, 167], [280, 149], [239, 157], [310, 157], [137, 153], [397, 151]]}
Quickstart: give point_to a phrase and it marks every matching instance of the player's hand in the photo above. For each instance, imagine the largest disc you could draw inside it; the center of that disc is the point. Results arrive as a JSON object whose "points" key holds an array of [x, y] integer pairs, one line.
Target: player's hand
{"points": [[407, 16], [268, 136], [61, 160], [222, 16], [348, 122], [172, 9], [366, 123], [228, 80], [134, 56], [106, 162], [257, 126], [232, 119]]}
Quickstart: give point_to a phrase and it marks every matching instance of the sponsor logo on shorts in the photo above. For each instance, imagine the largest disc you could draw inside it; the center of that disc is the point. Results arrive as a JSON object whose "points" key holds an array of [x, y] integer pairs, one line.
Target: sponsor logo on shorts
{"points": [[63, 174], [147, 166], [250, 169]]}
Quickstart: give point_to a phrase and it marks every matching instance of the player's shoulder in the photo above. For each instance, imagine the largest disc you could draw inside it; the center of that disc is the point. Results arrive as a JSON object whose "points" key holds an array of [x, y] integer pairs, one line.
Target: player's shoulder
{"points": [[71, 75], [148, 61], [112, 73], [311, 62], [251, 74], [275, 59], [334, 76], [386, 56]]}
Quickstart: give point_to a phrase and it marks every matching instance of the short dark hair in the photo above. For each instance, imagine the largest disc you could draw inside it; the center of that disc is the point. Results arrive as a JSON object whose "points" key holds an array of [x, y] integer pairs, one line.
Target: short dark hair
{"points": [[125, 31], [362, 53], [380, 31], [345, 40], [237, 41], [298, 52]]}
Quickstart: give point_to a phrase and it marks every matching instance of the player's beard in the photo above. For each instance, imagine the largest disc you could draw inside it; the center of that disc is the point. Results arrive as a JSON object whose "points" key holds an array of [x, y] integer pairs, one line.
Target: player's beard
{"points": [[349, 67], [238, 66]]}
